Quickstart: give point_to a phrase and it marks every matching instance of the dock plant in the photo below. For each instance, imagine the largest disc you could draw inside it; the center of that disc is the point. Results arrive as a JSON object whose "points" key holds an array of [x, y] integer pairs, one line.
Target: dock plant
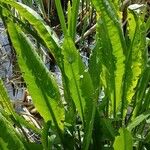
{"points": [[104, 105]]}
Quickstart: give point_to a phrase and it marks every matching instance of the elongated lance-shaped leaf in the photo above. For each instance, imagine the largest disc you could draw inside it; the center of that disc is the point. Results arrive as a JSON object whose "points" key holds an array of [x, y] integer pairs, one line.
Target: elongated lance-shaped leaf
{"points": [[41, 85], [135, 122], [137, 55], [74, 70], [38, 24], [72, 19], [112, 47], [61, 16], [80, 86], [69, 9], [5, 100], [9, 138]]}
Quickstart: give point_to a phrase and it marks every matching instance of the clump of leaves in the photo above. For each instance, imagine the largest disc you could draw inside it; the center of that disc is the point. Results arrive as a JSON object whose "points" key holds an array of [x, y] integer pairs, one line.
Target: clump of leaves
{"points": [[117, 68]]}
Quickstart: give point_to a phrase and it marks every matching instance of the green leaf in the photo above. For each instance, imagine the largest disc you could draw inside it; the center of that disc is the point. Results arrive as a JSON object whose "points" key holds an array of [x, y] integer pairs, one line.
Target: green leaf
{"points": [[111, 48], [76, 73], [123, 141], [41, 84], [80, 86], [72, 18], [137, 55], [61, 16], [138, 120]]}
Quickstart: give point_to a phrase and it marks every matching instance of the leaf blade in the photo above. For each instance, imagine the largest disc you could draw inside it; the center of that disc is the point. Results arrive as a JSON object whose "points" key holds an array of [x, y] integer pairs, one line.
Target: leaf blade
{"points": [[41, 85]]}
